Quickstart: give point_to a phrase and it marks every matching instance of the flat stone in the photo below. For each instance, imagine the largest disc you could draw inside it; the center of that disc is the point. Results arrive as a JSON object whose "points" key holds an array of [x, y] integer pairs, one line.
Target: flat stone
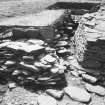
{"points": [[11, 85], [95, 89], [41, 65], [89, 78], [81, 72], [28, 58], [16, 72], [29, 67], [62, 43], [46, 100], [26, 73], [48, 58], [25, 47], [62, 51], [8, 63], [77, 93], [36, 41], [55, 93], [57, 36], [54, 70]]}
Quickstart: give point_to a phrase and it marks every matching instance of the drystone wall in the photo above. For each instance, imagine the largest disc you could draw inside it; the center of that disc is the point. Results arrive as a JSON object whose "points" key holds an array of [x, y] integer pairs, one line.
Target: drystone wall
{"points": [[90, 43]]}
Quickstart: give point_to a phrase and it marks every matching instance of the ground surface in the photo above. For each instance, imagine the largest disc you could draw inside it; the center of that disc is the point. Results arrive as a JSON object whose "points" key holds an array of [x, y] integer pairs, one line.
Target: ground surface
{"points": [[10, 8]]}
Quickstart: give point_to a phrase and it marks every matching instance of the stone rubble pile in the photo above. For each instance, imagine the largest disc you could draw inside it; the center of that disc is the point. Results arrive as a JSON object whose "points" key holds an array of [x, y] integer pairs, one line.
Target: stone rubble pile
{"points": [[29, 62], [28, 55]]}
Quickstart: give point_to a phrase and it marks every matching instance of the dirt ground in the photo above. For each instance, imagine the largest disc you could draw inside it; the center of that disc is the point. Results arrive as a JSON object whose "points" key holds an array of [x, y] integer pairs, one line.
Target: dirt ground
{"points": [[11, 8]]}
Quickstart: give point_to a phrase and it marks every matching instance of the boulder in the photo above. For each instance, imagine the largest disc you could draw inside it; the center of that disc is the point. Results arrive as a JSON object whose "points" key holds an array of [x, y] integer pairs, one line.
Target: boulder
{"points": [[95, 89], [46, 100], [77, 93]]}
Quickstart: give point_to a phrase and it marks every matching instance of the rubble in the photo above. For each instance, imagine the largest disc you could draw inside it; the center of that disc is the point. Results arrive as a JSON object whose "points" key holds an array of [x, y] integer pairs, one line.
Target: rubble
{"points": [[27, 55]]}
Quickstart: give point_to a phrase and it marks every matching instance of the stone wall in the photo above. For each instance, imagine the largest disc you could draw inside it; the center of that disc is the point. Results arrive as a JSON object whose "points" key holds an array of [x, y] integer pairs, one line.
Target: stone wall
{"points": [[90, 43]]}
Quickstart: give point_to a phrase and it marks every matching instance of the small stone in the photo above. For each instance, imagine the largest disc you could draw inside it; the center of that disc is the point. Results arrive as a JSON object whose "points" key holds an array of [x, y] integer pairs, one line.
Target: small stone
{"points": [[26, 73], [30, 78], [61, 71], [70, 57], [49, 49], [41, 65], [70, 28], [61, 43], [36, 41], [46, 100], [28, 58], [29, 67], [54, 70], [57, 36], [42, 79], [7, 63], [89, 78], [16, 72], [48, 58], [90, 23], [55, 93], [61, 66], [11, 85], [77, 93], [95, 89], [62, 51]]}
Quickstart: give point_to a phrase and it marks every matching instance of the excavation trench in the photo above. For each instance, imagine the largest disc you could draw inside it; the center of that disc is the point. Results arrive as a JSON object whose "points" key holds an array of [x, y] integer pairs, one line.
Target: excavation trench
{"points": [[35, 54]]}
